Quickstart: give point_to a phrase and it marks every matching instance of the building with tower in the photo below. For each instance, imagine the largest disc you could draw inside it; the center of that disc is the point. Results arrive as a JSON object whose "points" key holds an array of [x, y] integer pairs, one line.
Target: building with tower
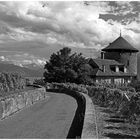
{"points": [[118, 63]]}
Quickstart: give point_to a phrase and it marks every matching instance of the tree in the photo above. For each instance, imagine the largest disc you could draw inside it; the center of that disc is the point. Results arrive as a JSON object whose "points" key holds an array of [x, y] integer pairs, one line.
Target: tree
{"points": [[39, 82], [71, 75], [84, 73], [66, 67], [58, 66]]}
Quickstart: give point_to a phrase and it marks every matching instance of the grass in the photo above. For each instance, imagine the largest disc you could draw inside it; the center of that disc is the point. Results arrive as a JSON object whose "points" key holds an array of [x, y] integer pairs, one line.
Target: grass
{"points": [[112, 126]]}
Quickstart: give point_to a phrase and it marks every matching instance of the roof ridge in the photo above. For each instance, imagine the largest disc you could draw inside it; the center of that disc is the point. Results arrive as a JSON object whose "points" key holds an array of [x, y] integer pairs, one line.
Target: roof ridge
{"points": [[105, 59]]}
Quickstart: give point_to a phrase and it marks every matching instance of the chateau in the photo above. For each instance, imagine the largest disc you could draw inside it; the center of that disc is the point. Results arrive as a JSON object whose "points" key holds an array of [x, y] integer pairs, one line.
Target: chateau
{"points": [[118, 63]]}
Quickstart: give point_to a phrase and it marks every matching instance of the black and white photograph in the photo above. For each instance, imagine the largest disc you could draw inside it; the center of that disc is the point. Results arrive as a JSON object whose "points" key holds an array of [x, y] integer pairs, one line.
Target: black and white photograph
{"points": [[69, 69]]}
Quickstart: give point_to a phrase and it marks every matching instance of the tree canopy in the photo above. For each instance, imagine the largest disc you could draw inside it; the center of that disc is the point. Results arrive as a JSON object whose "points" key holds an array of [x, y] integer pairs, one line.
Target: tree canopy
{"points": [[64, 66]]}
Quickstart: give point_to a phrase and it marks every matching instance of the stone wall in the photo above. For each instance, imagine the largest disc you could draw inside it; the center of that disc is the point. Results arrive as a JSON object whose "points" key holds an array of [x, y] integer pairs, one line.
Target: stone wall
{"points": [[89, 127], [15, 103]]}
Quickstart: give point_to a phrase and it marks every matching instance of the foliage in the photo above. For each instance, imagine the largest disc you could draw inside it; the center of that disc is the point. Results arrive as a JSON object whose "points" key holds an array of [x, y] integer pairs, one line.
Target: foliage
{"points": [[136, 85], [123, 87], [103, 96], [125, 103], [66, 67], [28, 82], [116, 99], [70, 86], [39, 82], [11, 82]]}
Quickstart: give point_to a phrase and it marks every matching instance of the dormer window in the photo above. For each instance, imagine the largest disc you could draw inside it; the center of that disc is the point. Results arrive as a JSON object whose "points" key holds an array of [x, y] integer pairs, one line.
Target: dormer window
{"points": [[112, 68], [127, 62], [116, 69], [125, 70], [103, 68]]}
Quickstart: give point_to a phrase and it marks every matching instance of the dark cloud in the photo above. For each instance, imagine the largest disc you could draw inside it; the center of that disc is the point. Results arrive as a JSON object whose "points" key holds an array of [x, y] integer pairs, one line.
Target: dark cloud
{"points": [[134, 30], [4, 29], [12, 20], [136, 6], [130, 17], [124, 12]]}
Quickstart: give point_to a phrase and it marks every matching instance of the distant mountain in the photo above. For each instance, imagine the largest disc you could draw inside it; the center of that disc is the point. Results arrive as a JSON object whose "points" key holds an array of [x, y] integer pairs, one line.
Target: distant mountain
{"points": [[33, 66], [5, 67]]}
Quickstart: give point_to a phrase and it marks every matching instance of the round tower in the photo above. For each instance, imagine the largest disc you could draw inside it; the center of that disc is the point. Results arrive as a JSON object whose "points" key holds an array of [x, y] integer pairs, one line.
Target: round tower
{"points": [[123, 52]]}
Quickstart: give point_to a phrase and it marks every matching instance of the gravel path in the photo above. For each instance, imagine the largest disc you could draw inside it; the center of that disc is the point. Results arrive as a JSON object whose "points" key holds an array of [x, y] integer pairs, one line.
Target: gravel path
{"points": [[46, 119]]}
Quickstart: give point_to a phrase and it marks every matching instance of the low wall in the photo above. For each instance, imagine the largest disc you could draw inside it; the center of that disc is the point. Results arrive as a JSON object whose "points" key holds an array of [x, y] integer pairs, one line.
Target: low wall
{"points": [[89, 128], [77, 124], [13, 104], [84, 124], [75, 130]]}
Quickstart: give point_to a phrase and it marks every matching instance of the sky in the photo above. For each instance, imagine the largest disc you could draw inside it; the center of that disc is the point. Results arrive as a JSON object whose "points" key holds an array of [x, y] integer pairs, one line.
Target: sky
{"points": [[31, 31]]}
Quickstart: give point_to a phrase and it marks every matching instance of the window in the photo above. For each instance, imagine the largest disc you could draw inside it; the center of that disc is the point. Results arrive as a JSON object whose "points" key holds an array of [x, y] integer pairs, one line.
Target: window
{"points": [[129, 81], [123, 80], [97, 81], [118, 81], [125, 70], [117, 69], [113, 68], [106, 81], [127, 62], [103, 68]]}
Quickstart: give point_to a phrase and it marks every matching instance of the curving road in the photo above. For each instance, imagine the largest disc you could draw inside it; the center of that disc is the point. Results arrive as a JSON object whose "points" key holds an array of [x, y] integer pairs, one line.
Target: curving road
{"points": [[46, 119]]}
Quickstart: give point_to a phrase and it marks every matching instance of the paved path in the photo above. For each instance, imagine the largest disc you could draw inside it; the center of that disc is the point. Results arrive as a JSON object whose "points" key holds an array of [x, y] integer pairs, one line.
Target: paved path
{"points": [[46, 119]]}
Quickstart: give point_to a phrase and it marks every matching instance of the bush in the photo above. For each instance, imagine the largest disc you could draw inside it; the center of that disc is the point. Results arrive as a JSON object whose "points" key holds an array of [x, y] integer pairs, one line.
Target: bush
{"points": [[11, 82], [70, 86], [65, 66], [124, 103], [39, 82], [135, 85]]}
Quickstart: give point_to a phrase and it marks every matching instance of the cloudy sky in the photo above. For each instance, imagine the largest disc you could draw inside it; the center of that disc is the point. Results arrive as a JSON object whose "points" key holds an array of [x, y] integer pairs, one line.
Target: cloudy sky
{"points": [[31, 31]]}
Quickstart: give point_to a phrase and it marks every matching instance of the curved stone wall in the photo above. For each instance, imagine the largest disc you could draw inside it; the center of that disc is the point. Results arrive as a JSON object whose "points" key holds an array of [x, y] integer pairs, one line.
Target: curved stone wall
{"points": [[90, 127], [15, 103], [84, 122]]}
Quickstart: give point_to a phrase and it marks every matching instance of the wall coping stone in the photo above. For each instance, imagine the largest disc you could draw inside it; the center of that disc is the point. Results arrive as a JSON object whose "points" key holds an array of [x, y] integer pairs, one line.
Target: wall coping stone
{"points": [[89, 120], [13, 107]]}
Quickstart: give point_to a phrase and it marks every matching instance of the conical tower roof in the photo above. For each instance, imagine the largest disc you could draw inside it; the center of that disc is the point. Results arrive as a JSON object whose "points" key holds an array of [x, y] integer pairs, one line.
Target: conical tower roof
{"points": [[120, 44]]}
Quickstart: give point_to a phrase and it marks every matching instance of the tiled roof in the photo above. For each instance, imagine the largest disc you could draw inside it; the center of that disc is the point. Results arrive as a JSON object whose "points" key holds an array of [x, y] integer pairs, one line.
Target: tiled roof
{"points": [[120, 44], [101, 62], [97, 68]]}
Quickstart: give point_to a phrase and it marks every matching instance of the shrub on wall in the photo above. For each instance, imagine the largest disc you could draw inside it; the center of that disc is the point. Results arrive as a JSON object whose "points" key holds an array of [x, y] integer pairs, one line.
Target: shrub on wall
{"points": [[11, 82], [39, 82]]}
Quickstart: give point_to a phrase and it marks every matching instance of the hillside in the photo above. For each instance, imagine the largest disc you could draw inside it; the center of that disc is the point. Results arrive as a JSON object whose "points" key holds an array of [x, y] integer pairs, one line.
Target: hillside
{"points": [[22, 70]]}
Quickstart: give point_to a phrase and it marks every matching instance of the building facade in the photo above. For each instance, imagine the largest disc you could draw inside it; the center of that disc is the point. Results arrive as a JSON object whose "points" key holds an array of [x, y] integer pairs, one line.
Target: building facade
{"points": [[118, 63]]}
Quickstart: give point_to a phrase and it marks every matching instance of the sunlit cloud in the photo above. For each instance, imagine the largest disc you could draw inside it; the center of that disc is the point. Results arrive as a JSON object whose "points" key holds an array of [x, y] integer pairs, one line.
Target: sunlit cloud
{"points": [[74, 24], [22, 59]]}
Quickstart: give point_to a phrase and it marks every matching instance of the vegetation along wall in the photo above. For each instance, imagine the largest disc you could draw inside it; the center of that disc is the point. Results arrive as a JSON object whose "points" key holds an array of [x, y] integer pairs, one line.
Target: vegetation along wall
{"points": [[12, 104], [11, 82]]}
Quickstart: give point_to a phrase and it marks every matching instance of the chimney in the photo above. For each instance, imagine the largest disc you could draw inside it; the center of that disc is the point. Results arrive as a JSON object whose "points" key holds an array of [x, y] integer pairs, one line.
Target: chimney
{"points": [[102, 55]]}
